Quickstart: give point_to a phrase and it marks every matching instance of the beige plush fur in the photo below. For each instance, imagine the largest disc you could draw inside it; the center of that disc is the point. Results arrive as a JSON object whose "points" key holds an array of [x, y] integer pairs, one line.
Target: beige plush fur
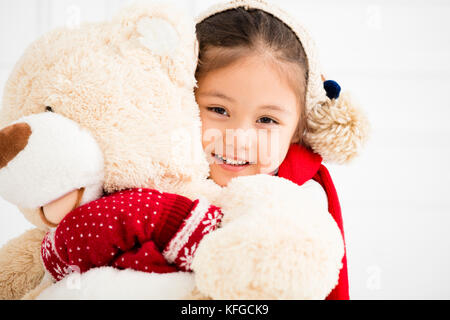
{"points": [[130, 86], [261, 255], [20, 266]]}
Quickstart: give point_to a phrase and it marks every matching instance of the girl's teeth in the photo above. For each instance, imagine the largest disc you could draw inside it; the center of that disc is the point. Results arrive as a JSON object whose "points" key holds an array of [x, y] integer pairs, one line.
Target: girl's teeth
{"points": [[232, 162]]}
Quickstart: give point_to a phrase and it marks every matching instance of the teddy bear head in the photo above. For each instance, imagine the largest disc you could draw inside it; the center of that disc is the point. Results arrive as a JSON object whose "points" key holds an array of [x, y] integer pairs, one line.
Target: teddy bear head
{"points": [[103, 107]]}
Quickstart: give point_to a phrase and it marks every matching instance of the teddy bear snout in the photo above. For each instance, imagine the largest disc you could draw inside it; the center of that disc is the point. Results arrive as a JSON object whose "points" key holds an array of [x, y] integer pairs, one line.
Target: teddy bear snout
{"points": [[45, 156], [13, 139]]}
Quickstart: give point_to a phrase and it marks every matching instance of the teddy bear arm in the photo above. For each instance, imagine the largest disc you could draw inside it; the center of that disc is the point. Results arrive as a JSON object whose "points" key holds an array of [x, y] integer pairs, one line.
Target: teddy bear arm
{"points": [[20, 267], [257, 258]]}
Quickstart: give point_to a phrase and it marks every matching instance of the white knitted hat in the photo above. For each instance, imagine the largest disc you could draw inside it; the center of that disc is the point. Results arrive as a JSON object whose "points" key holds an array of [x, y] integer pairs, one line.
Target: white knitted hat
{"points": [[336, 128]]}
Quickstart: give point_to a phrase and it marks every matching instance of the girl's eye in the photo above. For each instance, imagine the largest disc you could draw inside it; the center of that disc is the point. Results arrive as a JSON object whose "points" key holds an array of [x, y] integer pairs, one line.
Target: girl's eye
{"points": [[267, 120], [218, 110]]}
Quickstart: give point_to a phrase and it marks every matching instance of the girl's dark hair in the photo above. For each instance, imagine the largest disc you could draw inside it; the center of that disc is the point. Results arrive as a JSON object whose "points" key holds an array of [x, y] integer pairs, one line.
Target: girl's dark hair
{"points": [[229, 35]]}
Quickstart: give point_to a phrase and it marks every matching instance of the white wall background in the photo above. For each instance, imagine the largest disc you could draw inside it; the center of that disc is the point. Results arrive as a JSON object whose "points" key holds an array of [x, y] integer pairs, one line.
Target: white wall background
{"points": [[394, 57]]}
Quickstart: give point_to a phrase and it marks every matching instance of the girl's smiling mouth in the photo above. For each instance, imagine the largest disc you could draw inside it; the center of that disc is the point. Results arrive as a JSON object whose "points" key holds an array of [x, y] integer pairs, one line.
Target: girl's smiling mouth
{"points": [[230, 164]]}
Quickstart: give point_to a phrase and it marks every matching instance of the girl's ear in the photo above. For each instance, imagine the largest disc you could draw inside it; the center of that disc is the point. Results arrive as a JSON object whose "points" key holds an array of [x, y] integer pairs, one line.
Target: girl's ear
{"points": [[160, 35]]}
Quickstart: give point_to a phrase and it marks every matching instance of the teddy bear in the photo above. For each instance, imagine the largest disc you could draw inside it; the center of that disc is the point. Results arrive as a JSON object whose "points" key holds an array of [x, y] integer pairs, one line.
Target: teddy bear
{"points": [[109, 106]]}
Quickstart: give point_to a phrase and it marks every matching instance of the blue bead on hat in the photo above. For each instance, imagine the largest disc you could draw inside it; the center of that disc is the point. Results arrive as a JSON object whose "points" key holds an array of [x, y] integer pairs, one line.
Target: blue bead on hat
{"points": [[332, 88]]}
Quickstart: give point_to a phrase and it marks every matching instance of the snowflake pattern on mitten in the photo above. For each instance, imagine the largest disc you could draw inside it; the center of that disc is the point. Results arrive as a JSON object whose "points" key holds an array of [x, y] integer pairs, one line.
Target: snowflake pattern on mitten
{"points": [[181, 249]]}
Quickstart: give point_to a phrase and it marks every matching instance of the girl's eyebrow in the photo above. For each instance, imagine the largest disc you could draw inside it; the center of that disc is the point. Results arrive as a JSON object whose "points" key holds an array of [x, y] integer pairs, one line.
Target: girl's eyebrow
{"points": [[217, 95], [276, 108]]}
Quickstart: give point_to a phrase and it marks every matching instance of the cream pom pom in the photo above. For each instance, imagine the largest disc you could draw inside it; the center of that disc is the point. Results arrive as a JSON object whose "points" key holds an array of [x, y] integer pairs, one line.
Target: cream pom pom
{"points": [[337, 129]]}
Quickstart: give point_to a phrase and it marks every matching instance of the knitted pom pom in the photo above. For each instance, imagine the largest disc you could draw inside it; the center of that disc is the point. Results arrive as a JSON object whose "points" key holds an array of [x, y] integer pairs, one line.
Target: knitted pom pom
{"points": [[332, 88], [337, 129]]}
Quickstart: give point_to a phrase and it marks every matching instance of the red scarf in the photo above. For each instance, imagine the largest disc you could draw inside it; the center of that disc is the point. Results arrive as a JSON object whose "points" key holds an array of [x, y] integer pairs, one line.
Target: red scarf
{"points": [[301, 165]]}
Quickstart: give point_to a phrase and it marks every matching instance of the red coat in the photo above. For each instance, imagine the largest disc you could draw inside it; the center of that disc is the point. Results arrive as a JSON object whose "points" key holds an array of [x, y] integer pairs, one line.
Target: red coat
{"points": [[301, 165]]}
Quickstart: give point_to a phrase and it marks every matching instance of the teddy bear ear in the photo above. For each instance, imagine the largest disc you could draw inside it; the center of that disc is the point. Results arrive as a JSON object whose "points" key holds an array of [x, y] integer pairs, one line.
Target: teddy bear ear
{"points": [[159, 34]]}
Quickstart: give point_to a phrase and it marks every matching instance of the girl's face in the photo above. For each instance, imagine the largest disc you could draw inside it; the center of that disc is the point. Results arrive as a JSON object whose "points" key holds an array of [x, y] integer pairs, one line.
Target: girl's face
{"points": [[249, 117]]}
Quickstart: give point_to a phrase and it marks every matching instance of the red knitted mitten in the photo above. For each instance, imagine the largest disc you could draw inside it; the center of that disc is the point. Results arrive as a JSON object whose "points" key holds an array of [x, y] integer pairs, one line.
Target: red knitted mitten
{"points": [[127, 229]]}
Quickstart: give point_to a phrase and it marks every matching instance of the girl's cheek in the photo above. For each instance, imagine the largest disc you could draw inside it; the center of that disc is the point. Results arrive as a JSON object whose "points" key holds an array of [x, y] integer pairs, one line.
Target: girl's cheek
{"points": [[212, 140], [269, 148], [274, 151]]}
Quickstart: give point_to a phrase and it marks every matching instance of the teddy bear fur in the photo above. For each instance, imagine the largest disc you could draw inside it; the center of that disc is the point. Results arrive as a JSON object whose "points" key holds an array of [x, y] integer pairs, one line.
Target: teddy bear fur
{"points": [[130, 87]]}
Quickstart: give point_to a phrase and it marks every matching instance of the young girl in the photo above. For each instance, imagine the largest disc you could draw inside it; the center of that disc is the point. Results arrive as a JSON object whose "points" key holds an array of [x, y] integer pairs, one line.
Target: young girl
{"points": [[257, 73]]}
